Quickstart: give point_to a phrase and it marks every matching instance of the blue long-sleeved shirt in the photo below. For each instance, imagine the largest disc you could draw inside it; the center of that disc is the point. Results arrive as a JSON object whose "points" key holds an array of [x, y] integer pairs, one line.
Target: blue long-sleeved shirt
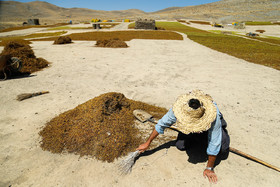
{"points": [[214, 133]]}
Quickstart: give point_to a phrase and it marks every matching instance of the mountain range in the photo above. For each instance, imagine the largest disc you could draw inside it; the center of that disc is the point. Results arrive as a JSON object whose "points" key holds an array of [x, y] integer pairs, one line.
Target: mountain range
{"points": [[224, 10]]}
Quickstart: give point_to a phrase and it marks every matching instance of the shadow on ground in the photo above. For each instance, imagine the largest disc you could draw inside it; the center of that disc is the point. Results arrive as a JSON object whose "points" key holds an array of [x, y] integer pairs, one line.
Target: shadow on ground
{"points": [[196, 152]]}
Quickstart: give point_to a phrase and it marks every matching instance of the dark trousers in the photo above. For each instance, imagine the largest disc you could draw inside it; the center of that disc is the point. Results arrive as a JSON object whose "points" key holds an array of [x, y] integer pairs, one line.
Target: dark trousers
{"points": [[185, 142]]}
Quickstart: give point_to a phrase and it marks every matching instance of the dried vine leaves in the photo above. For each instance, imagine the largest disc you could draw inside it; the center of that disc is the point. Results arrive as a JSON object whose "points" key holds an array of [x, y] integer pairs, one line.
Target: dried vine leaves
{"points": [[102, 127]]}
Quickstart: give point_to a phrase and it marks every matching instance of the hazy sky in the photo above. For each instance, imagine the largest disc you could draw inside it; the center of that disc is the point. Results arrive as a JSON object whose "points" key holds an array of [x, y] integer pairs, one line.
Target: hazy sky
{"points": [[145, 5]]}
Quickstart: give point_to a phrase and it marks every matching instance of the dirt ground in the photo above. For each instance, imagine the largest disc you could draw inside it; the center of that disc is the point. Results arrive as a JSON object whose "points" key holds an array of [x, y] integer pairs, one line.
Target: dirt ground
{"points": [[151, 71]]}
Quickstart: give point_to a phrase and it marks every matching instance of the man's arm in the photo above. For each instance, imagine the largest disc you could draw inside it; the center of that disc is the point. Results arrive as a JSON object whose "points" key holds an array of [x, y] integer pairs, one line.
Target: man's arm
{"points": [[212, 177], [214, 146], [143, 147], [166, 121]]}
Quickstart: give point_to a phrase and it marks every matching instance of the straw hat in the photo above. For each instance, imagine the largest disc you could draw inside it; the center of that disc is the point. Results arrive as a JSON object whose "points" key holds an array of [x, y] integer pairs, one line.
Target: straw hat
{"points": [[190, 120]]}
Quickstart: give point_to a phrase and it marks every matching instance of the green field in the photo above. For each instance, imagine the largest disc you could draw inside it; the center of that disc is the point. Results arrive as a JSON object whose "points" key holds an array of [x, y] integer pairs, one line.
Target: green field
{"points": [[103, 25], [123, 35], [254, 51], [68, 28], [32, 26], [258, 23], [249, 50], [5, 40]]}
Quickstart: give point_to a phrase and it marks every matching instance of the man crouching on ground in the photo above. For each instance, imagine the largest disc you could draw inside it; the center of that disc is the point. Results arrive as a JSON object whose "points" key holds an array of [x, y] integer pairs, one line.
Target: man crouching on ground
{"points": [[198, 119]]}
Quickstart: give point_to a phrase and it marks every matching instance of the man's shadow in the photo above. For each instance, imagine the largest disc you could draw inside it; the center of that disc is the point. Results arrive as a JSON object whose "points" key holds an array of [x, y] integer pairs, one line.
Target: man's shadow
{"points": [[16, 75], [196, 152]]}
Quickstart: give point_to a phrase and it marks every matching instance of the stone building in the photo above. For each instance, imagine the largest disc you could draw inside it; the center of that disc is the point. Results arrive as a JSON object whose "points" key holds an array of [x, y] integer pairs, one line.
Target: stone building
{"points": [[33, 22], [145, 24]]}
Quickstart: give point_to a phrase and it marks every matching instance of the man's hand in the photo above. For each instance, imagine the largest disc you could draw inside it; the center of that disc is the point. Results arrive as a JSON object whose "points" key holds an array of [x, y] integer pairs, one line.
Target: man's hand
{"points": [[143, 147], [212, 177]]}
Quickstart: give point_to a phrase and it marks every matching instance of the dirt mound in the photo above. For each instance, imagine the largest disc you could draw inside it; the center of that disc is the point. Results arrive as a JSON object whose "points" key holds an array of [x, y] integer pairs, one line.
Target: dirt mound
{"points": [[112, 43], [102, 127], [30, 63], [63, 40]]}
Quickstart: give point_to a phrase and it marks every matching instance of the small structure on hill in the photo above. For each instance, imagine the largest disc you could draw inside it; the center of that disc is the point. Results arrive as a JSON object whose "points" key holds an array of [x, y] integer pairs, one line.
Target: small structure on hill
{"points": [[239, 25], [96, 26], [33, 22], [94, 20], [145, 24]]}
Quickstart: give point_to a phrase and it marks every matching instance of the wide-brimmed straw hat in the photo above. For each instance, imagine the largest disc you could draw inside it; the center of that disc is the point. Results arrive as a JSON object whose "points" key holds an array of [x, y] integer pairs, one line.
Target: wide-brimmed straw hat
{"points": [[191, 120]]}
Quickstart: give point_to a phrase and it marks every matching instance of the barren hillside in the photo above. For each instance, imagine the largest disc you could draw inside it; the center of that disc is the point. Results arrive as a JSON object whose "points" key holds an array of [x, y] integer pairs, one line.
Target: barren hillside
{"points": [[228, 10], [224, 10], [16, 11]]}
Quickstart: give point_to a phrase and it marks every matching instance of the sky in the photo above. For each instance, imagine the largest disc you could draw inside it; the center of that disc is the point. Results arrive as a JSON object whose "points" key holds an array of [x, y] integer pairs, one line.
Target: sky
{"points": [[145, 5]]}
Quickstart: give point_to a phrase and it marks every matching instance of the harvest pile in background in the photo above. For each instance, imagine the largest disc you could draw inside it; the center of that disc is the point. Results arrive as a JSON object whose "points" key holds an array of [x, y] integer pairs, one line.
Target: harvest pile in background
{"points": [[112, 43], [23, 51], [63, 40]]}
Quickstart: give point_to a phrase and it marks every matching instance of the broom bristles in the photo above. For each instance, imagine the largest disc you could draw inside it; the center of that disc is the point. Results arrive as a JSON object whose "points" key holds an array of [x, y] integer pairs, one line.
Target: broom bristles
{"points": [[23, 96], [125, 166]]}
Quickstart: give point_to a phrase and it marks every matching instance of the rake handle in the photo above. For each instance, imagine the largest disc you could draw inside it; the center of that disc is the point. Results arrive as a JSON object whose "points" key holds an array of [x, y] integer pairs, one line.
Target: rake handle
{"points": [[40, 93], [253, 158]]}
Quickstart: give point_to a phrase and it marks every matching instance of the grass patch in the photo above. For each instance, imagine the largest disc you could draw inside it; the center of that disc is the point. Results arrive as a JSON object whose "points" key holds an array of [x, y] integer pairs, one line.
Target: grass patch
{"points": [[103, 25], [270, 40], [110, 23], [68, 28], [249, 50], [32, 26], [201, 22], [20, 41], [273, 37], [131, 26], [215, 31], [50, 34], [123, 35], [273, 40], [5, 40], [258, 23]]}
